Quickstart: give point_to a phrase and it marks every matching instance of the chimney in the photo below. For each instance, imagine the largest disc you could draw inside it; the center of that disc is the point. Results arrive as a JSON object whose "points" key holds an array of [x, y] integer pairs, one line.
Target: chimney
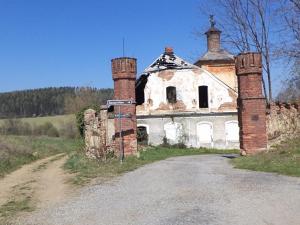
{"points": [[213, 36], [169, 51]]}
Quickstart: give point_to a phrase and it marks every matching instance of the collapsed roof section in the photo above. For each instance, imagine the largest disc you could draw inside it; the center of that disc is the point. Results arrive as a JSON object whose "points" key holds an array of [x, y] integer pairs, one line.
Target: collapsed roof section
{"points": [[168, 60]]}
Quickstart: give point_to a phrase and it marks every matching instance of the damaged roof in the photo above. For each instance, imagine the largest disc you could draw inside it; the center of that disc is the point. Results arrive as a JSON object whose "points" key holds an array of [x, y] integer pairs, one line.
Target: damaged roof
{"points": [[168, 60]]}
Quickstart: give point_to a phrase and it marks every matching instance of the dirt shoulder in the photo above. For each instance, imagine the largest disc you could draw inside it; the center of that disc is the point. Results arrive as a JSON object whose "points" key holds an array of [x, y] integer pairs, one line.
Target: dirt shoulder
{"points": [[35, 185]]}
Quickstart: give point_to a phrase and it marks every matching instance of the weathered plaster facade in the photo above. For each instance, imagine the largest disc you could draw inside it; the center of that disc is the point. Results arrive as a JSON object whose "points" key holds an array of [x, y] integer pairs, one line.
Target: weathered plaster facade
{"points": [[224, 71], [187, 83], [185, 119], [193, 104], [193, 130]]}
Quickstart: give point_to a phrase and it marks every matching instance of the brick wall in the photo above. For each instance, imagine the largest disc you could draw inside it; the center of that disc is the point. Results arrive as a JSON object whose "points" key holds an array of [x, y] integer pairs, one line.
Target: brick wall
{"points": [[124, 76], [251, 103]]}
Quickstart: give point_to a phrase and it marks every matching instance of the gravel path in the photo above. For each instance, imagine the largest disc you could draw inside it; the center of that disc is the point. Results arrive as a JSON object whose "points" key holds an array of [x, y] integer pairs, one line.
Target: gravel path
{"points": [[181, 191]]}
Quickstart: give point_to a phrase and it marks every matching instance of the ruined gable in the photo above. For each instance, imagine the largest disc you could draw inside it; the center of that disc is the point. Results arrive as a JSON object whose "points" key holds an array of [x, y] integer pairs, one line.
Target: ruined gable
{"points": [[189, 83]]}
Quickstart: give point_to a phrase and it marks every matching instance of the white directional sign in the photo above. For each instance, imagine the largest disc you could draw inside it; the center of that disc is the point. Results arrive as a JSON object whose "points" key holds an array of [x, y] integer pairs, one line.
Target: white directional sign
{"points": [[120, 102]]}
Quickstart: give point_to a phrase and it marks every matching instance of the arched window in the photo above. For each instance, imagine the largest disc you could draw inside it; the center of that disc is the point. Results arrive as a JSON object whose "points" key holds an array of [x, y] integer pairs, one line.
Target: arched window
{"points": [[203, 96], [171, 94]]}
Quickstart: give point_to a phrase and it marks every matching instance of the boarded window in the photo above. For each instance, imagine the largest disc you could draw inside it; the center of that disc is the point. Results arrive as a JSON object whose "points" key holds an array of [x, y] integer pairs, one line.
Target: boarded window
{"points": [[171, 94], [205, 133], [232, 131], [203, 97], [173, 132]]}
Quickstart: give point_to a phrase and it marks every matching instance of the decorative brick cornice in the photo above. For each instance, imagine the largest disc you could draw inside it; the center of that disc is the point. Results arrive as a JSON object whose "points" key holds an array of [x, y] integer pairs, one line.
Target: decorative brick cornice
{"points": [[248, 63], [124, 68]]}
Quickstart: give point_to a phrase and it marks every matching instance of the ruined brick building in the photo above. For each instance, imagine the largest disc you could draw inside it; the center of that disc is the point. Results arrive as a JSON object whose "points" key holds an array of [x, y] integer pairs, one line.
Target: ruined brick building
{"points": [[194, 104]]}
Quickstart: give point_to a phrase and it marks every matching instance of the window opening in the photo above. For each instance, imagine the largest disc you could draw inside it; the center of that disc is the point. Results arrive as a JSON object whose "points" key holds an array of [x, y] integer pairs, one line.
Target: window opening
{"points": [[171, 94], [203, 97]]}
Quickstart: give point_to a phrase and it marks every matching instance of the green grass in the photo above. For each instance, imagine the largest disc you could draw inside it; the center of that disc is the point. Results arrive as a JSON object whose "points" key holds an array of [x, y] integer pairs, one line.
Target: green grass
{"points": [[87, 169], [12, 207], [57, 121], [16, 151], [282, 159]]}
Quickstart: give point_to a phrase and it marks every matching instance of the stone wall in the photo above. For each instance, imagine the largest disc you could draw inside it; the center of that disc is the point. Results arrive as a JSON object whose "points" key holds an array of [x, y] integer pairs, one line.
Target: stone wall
{"points": [[283, 121], [97, 141]]}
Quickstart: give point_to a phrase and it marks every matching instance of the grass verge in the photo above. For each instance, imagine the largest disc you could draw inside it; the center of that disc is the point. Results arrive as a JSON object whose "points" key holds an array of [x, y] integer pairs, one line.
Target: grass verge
{"points": [[86, 169], [12, 207], [282, 159], [16, 151]]}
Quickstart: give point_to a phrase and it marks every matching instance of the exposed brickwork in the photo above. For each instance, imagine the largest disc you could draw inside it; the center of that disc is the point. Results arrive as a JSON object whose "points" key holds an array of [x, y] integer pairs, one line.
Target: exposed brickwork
{"points": [[251, 103], [124, 76]]}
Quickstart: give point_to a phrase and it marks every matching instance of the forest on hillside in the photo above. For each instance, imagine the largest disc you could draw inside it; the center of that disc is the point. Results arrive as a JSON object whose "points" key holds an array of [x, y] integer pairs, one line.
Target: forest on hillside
{"points": [[50, 101]]}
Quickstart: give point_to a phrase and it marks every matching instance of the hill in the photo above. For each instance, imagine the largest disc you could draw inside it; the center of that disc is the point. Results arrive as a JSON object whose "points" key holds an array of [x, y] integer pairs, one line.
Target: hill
{"points": [[50, 101]]}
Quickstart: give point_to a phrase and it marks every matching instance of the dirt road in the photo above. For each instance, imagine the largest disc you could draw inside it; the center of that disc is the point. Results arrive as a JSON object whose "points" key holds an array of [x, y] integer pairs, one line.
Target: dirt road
{"points": [[37, 185]]}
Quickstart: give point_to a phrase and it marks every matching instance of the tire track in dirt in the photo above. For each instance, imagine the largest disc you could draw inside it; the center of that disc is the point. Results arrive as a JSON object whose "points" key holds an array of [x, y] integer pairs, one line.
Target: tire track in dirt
{"points": [[43, 183]]}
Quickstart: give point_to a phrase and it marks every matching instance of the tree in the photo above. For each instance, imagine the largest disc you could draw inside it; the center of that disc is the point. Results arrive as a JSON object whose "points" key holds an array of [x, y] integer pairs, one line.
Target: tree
{"points": [[290, 32], [246, 25], [289, 48]]}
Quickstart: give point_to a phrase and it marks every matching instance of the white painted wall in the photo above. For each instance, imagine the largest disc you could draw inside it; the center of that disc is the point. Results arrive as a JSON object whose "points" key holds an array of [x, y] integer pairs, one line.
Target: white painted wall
{"points": [[186, 82]]}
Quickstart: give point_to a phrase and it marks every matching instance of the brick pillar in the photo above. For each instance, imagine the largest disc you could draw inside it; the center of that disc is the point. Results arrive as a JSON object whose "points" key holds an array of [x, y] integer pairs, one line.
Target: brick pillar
{"points": [[124, 76], [251, 103]]}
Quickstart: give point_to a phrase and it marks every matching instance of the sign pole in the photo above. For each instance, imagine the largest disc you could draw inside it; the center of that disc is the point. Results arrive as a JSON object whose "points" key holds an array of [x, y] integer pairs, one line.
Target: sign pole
{"points": [[120, 136], [120, 103]]}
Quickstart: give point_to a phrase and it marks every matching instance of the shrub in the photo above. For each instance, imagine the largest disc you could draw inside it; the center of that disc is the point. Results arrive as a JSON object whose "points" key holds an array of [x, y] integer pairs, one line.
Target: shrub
{"points": [[52, 132], [80, 118]]}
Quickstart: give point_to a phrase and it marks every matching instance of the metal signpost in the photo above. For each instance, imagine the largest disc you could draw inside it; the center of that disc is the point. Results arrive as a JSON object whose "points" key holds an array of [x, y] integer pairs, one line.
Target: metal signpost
{"points": [[120, 103]]}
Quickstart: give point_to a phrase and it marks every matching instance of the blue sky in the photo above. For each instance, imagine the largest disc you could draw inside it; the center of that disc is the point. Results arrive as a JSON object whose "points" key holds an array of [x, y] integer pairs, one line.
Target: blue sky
{"points": [[71, 42]]}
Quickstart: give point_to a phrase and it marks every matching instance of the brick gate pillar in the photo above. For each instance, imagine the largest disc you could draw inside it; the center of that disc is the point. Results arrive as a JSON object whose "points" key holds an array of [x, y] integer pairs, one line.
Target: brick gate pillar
{"points": [[124, 76], [251, 103]]}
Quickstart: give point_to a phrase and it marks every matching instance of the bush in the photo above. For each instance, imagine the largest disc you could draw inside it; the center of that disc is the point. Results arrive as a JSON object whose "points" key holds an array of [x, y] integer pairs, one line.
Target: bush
{"points": [[80, 118], [52, 132]]}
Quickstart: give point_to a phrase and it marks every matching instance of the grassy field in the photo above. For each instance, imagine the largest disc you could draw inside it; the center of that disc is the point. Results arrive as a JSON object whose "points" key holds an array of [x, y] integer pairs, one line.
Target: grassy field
{"points": [[282, 159], [86, 169], [16, 151], [57, 121]]}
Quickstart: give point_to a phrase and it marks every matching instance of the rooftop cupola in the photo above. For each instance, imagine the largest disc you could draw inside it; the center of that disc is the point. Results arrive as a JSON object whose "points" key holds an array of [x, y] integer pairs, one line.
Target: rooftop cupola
{"points": [[213, 36]]}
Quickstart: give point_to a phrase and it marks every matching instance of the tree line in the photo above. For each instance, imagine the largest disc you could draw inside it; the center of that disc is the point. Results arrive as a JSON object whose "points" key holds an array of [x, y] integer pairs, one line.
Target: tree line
{"points": [[50, 101]]}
